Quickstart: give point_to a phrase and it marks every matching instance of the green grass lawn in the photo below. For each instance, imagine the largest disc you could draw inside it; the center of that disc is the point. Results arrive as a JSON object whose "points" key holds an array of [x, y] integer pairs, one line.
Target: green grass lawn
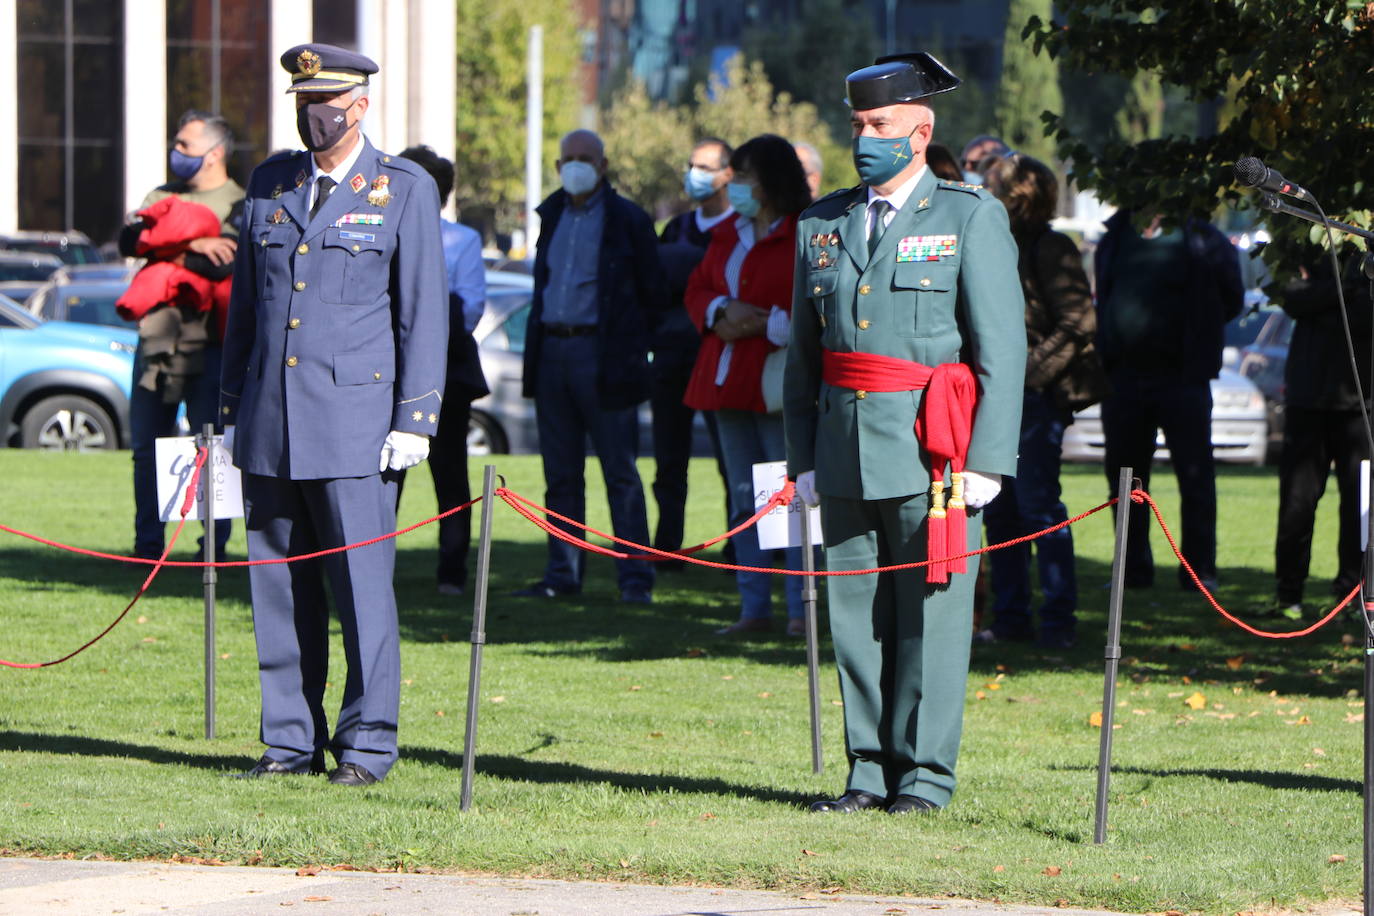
{"points": [[629, 743]]}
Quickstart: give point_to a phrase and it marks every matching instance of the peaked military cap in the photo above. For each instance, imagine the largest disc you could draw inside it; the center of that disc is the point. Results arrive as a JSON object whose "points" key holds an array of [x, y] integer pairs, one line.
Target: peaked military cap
{"points": [[898, 78], [325, 68]]}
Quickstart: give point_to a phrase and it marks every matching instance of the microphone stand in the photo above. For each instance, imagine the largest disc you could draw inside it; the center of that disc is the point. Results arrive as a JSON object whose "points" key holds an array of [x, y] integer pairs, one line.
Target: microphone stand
{"points": [[1272, 202]]}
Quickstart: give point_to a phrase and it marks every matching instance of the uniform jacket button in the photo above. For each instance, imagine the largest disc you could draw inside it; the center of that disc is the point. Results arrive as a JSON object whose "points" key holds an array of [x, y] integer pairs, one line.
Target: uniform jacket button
{"points": [[303, 249], [293, 323], [925, 281], [377, 376], [300, 285], [816, 290], [291, 361], [863, 325], [865, 290], [861, 394]]}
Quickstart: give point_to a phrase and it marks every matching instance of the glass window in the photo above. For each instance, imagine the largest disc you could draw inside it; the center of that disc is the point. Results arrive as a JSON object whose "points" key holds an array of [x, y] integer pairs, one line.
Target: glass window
{"points": [[515, 327], [219, 59], [71, 115]]}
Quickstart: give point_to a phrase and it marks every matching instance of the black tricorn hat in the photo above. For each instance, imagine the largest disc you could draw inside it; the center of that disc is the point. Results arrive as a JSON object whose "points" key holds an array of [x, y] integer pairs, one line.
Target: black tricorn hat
{"points": [[898, 78]]}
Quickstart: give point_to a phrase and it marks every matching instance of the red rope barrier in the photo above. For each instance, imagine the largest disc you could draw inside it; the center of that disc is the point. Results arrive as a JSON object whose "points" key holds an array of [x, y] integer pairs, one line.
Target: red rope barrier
{"points": [[527, 509], [223, 564], [1140, 496], [201, 456]]}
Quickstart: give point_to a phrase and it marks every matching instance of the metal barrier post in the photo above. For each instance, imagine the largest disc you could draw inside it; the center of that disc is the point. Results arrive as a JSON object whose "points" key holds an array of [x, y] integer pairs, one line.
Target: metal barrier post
{"points": [[479, 636], [208, 578], [812, 638], [1113, 649]]}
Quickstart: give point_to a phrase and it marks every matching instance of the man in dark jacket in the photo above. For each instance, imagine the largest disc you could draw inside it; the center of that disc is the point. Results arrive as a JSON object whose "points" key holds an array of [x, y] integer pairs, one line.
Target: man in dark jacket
{"points": [[1322, 425], [597, 286], [1163, 298]]}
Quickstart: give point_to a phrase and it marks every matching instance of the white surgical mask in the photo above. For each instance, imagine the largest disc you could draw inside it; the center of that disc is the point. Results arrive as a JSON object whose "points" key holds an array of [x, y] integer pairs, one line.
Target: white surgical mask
{"points": [[578, 177]]}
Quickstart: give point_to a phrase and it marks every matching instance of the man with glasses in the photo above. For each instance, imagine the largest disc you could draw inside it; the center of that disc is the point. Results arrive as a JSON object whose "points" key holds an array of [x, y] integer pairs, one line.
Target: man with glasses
{"points": [[184, 368]]}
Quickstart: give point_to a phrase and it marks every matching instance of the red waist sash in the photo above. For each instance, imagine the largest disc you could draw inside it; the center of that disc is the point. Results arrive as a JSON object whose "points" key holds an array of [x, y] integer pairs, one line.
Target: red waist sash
{"points": [[943, 427]]}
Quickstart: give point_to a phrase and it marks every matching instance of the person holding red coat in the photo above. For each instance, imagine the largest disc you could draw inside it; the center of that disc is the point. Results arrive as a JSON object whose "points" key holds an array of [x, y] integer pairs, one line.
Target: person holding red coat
{"points": [[740, 298]]}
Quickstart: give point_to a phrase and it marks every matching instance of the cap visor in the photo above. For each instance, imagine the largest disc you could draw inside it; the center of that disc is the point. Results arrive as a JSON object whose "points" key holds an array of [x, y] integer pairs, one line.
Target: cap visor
{"points": [[322, 86]]}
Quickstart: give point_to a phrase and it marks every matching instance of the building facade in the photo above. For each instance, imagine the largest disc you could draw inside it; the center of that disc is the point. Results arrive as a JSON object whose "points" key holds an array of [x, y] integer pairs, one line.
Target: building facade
{"points": [[91, 90]]}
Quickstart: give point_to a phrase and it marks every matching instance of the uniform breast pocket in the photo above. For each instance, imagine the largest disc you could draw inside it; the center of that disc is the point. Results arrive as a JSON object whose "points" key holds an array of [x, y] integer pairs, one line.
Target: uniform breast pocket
{"points": [[820, 287], [273, 260], [370, 368], [930, 312], [356, 268]]}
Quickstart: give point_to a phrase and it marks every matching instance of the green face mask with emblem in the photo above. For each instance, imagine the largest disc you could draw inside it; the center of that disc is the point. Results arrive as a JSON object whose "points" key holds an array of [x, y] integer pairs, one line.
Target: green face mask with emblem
{"points": [[879, 159]]}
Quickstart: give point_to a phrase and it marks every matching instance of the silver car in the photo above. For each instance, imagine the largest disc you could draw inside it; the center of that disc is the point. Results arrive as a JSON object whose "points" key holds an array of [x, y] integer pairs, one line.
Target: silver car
{"points": [[1240, 426]]}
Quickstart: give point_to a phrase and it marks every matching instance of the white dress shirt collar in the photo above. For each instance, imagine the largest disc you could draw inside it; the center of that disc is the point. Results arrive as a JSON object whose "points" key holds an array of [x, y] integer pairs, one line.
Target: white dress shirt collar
{"points": [[898, 198], [340, 172]]}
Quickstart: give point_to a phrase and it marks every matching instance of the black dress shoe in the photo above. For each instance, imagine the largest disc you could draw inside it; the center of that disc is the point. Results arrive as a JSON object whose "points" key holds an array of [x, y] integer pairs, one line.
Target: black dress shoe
{"points": [[352, 774], [266, 766], [848, 803], [911, 804]]}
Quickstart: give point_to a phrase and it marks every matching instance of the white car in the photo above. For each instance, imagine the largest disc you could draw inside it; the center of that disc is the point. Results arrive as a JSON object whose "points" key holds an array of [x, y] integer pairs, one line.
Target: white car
{"points": [[1240, 426]]}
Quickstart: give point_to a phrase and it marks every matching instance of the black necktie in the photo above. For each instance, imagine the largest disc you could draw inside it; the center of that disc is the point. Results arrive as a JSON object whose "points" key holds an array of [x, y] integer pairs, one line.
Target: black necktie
{"points": [[879, 208], [324, 186]]}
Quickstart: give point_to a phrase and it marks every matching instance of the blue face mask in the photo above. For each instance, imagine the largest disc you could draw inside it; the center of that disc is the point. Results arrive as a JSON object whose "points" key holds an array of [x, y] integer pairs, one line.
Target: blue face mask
{"points": [[699, 184], [183, 166], [742, 199], [879, 159]]}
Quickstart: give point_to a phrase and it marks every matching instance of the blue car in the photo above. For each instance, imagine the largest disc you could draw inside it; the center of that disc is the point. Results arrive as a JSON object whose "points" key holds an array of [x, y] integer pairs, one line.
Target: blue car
{"points": [[63, 385]]}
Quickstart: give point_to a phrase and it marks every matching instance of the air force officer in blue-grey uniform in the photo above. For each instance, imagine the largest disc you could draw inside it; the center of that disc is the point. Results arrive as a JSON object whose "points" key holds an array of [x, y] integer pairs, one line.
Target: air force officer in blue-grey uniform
{"points": [[333, 377]]}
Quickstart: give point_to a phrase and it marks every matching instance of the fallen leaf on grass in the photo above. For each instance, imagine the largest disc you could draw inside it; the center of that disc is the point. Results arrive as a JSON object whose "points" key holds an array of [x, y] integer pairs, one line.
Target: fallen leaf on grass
{"points": [[1052, 870], [1061, 903], [498, 699], [1336, 859], [1095, 718], [440, 712], [764, 695], [225, 655], [344, 866], [695, 653], [1303, 721], [837, 702], [1318, 752], [636, 687], [833, 889], [723, 677], [993, 685], [141, 619], [150, 639], [1196, 701], [999, 868], [1235, 663], [1173, 913], [624, 863], [708, 816], [1354, 717], [655, 734], [308, 871], [807, 852], [980, 695]]}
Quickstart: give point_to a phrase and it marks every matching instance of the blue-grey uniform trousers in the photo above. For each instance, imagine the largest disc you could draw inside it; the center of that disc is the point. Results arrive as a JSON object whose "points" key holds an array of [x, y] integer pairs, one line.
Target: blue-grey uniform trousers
{"points": [[901, 646], [291, 616]]}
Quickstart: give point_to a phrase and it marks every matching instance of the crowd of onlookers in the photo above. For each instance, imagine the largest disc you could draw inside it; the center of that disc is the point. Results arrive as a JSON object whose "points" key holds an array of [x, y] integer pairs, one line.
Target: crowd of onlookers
{"points": [[697, 316]]}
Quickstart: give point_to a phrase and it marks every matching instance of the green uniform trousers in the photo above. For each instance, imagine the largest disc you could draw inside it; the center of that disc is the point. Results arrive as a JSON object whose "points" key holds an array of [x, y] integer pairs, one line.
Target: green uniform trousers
{"points": [[901, 644]]}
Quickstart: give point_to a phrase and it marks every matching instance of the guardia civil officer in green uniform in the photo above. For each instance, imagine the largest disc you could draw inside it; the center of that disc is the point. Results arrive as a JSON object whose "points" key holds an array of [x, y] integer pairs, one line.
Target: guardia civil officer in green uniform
{"points": [[907, 354]]}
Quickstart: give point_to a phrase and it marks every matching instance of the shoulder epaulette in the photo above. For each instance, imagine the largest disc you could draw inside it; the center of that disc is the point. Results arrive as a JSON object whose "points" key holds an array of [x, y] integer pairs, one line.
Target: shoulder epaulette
{"points": [[833, 196], [975, 189]]}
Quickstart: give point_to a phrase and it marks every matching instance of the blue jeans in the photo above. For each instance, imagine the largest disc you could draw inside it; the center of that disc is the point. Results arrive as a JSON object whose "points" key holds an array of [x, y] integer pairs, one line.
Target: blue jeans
{"points": [[1030, 502], [747, 438], [568, 411], [151, 419]]}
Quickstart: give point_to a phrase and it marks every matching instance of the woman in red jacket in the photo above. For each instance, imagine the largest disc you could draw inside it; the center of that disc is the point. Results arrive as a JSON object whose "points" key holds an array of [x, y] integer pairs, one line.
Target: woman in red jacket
{"points": [[740, 298]]}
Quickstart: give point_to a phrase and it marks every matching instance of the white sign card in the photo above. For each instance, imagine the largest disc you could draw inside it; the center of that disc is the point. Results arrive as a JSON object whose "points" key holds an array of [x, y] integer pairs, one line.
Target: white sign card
{"points": [[781, 527], [176, 465]]}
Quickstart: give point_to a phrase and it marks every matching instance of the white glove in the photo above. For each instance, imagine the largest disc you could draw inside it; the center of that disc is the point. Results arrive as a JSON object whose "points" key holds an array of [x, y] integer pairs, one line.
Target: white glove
{"points": [[227, 439], [779, 327], [980, 489], [806, 489], [403, 450]]}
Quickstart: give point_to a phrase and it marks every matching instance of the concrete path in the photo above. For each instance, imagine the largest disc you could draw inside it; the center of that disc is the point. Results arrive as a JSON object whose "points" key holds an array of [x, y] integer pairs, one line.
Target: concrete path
{"points": [[42, 886]]}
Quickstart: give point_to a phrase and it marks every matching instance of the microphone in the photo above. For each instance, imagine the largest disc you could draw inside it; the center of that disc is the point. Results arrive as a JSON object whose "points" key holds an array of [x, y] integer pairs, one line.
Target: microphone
{"points": [[1252, 173]]}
